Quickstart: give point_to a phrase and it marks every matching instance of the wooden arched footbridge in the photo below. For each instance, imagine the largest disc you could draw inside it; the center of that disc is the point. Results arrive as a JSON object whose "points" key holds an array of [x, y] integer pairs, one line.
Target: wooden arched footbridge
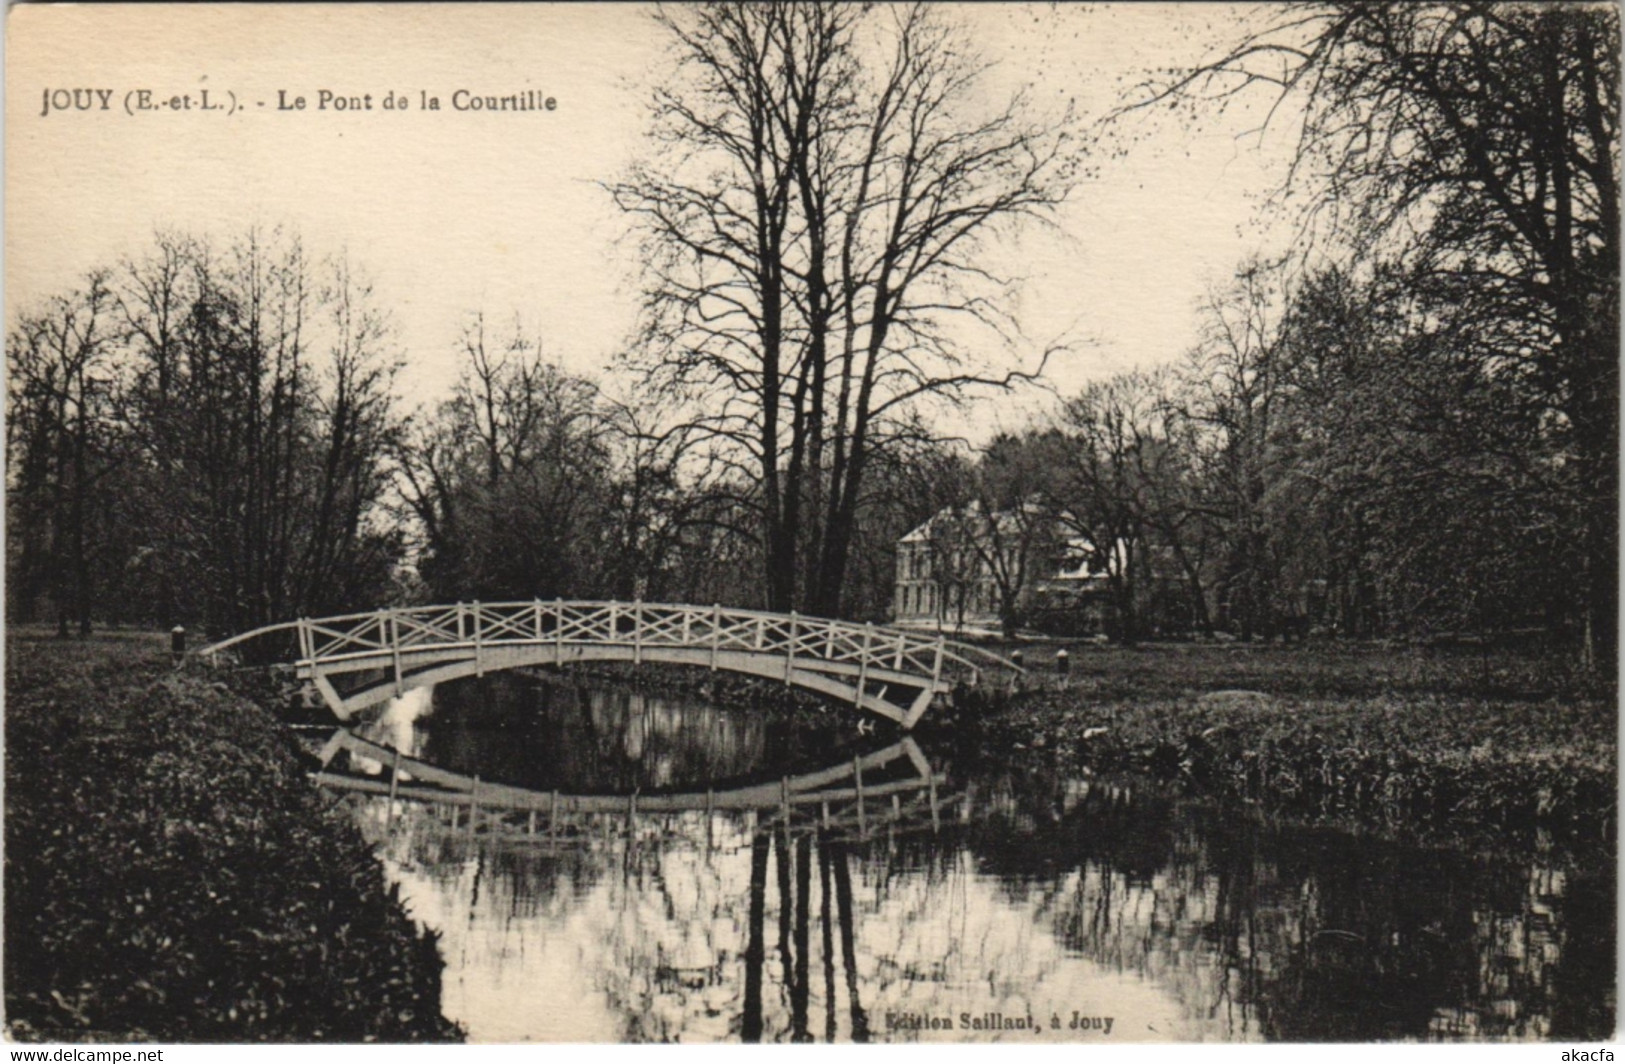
{"points": [[363, 659]]}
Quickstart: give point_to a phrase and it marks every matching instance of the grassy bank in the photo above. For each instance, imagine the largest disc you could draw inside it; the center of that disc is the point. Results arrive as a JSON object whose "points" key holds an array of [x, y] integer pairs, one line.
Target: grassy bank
{"points": [[171, 874], [1453, 743]]}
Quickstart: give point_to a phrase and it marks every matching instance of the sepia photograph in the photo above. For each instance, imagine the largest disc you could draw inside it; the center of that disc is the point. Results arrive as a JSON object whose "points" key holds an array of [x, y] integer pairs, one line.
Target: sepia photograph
{"points": [[786, 522]]}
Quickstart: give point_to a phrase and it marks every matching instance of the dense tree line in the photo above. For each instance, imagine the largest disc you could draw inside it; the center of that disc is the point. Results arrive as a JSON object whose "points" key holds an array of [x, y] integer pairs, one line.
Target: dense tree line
{"points": [[1413, 421], [1412, 425], [1334, 453], [1463, 159], [212, 436], [199, 436]]}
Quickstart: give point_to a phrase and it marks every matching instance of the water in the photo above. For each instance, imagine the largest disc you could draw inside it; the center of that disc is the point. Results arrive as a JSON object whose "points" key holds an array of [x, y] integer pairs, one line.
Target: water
{"points": [[1032, 907]]}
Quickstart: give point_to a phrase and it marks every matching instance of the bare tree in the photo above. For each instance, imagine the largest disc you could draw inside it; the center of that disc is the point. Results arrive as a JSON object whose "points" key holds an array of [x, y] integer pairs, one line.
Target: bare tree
{"points": [[261, 409], [510, 477], [61, 382], [816, 226], [1130, 485], [1236, 397], [1014, 521]]}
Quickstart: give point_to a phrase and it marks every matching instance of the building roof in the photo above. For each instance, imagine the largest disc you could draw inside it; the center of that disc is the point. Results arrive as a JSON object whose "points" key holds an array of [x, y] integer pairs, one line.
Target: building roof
{"points": [[1005, 519]]}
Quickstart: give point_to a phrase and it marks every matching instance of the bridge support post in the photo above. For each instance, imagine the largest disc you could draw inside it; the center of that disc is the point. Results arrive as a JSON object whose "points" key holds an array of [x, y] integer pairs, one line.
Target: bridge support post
{"points": [[917, 708], [330, 695], [857, 778], [922, 701], [863, 659], [394, 784], [931, 785]]}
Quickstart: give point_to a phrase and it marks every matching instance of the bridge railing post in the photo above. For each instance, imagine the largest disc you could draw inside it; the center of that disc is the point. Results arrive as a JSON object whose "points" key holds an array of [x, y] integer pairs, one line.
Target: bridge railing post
{"points": [[536, 620], [558, 631], [716, 632], [637, 631], [790, 650], [305, 650], [479, 641]]}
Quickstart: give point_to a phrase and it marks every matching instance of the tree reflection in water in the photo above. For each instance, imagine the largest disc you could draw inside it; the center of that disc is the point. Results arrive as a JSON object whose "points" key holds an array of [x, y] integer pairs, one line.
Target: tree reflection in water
{"points": [[1039, 895]]}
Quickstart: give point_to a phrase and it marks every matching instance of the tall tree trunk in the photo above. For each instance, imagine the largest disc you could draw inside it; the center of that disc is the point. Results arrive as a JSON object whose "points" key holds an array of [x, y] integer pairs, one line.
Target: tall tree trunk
{"points": [[81, 560], [1596, 430]]}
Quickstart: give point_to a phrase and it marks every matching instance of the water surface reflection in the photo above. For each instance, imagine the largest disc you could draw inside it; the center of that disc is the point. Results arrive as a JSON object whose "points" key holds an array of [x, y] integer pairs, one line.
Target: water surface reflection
{"points": [[1030, 895]]}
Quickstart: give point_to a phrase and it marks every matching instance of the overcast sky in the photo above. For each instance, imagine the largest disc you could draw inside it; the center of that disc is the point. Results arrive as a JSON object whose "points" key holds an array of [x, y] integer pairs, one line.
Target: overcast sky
{"points": [[452, 212]]}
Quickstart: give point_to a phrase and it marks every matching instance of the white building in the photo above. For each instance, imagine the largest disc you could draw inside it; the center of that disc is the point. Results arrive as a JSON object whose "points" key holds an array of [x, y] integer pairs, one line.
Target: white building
{"points": [[947, 570]]}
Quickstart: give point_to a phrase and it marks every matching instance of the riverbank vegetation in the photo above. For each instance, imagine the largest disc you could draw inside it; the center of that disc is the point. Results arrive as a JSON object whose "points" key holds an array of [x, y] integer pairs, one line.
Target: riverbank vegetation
{"points": [[1421, 743], [172, 875]]}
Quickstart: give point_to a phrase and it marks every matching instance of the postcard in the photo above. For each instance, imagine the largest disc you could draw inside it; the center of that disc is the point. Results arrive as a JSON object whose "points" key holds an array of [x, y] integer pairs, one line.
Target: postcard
{"points": [[777, 523]]}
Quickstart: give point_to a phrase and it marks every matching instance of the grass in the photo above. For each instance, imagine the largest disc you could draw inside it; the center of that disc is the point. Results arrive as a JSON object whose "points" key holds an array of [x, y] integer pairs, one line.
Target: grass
{"points": [[171, 874], [1320, 669], [1411, 741]]}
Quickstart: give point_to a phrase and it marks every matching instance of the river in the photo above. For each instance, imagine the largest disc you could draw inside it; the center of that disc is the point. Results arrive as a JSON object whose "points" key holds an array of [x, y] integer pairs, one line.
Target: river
{"points": [[963, 903]]}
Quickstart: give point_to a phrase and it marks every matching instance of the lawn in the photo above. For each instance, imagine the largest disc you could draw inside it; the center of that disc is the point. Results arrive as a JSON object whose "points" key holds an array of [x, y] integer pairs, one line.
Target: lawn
{"points": [[1416, 741]]}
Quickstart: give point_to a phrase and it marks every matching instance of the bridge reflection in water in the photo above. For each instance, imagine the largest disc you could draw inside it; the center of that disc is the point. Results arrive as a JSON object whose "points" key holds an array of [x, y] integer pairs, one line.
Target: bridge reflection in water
{"points": [[1034, 894]]}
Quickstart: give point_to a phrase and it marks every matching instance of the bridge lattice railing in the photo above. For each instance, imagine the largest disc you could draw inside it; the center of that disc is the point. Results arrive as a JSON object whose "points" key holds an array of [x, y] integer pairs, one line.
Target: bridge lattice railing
{"points": [[331, 640]]}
